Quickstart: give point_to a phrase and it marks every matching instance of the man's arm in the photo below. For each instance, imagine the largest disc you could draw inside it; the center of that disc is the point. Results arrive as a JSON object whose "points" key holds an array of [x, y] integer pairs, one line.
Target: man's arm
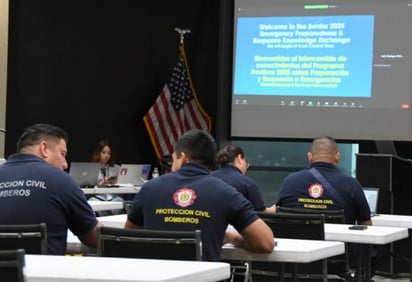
{"points": [[90, 238], [271, 209], [365, 222], [129, 224], [256, 237]]}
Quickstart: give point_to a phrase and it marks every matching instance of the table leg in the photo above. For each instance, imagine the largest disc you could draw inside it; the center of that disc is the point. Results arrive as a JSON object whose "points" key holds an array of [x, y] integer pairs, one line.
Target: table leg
{"points": [[368, 262], [364, 262], [410, 253], [360, 263], [295, 272], [281, 272]]}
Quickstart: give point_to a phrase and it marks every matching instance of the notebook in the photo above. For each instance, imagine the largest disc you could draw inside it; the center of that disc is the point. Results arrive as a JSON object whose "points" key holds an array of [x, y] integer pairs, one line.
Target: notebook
{"points": [[133, 174], [85, 173], [372, 195]]}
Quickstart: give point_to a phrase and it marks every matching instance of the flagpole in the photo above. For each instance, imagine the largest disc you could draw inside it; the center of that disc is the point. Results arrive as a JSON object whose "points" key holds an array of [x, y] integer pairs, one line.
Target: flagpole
{"points": [[182, 33], [176, 109]]}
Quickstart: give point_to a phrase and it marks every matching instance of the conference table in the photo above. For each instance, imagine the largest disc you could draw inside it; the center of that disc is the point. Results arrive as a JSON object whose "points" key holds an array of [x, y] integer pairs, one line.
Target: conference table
{"points": [[333, 232], [105, 205], [286, 251], [113, 190], [397, 221], [74, 246], [47, 268], [295, 251], [113, 220], [372, 235]]}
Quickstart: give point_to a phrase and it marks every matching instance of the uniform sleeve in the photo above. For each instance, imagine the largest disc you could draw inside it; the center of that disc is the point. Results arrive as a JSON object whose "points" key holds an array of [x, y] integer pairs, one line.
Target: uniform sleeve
{"points": [[254, 195], [282, 192], [81, 216], [243, 212], [135, 214]]}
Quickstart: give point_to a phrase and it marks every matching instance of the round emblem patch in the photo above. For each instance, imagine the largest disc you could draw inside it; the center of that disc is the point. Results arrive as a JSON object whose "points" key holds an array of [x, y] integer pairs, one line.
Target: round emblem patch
{"points": [[316, 190], [184, 197]]}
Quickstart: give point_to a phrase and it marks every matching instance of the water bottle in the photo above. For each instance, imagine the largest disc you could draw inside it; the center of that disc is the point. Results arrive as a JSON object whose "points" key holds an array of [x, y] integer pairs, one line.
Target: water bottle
{"points": [[155, 173]]}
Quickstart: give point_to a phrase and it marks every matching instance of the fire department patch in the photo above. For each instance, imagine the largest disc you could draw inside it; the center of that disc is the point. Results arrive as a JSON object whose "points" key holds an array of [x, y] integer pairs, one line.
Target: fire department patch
{"points": [[184, 197], [315, 190]]}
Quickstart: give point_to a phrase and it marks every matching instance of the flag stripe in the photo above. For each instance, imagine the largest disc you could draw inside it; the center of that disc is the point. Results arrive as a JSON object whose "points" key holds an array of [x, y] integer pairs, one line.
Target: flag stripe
{"points": [[160, 129]]}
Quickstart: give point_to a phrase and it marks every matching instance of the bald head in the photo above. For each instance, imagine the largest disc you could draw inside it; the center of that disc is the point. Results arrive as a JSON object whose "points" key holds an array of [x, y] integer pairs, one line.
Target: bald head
{"points": [[324, 149]]}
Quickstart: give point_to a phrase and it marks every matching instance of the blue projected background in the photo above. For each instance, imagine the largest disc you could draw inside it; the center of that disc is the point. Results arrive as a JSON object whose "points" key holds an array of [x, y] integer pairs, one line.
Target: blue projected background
{"points": [[329, 56]]}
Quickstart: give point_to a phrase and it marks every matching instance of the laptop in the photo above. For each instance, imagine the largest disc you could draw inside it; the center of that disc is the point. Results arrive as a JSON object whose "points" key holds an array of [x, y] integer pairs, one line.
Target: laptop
{"points": [[133, 174], [372, 195], [85, 173]]}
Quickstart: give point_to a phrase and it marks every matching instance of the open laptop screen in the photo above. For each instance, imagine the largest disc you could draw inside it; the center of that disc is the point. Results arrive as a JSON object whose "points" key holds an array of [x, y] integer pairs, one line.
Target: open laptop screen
{"points": [[134, 174], [372, 195], [85, 173]]}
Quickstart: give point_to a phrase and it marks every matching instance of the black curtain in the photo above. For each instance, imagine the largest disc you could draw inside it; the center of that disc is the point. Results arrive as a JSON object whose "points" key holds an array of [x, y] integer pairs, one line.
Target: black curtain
{"points": [[94, 68]]}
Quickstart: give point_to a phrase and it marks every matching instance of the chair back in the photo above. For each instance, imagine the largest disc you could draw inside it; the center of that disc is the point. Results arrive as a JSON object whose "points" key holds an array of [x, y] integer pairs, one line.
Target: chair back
{"points": [[340, 262], [331, 216], [11, 265], [30, 237], [154, 244], [295, 226]]}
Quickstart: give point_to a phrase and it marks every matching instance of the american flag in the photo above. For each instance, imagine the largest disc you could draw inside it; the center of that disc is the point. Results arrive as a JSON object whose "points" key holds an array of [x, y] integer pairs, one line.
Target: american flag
{"points": [[176, 110]]}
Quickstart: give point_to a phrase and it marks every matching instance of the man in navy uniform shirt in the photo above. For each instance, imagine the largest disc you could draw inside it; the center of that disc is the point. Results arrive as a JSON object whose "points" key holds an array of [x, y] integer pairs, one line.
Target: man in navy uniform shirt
{"points": [[34, 188], [190, 198]]}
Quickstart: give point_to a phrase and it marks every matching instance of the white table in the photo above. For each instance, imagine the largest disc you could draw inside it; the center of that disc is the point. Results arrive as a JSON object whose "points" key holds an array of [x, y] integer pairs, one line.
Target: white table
{"points": [[396, 221], [114, 190], [373, 235], [392, 220], [45, 268], [288, 250], [377, 235], [74, 246], [105, 205], [113, 220]]}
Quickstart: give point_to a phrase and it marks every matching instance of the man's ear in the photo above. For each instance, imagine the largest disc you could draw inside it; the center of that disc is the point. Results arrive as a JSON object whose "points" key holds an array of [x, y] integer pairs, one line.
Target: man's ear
{"points": [[337, 157], [44, 149], [310, 156], [184, 158]]}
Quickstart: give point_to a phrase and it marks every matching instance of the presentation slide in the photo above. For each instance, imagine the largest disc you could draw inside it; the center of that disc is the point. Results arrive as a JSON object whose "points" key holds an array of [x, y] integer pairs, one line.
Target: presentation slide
{"points": [[305, 56]]}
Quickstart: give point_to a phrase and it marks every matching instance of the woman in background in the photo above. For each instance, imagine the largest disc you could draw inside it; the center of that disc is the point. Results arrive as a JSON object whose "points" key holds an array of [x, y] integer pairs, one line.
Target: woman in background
{"points": [[232, 169], [108, 173], [109, 170]]}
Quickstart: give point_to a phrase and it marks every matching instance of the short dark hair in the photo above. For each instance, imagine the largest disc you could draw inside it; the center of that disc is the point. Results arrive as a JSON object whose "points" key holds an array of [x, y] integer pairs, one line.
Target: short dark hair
{"points": [[34, 134], [199, 146], [228, 154], [324, 146]]}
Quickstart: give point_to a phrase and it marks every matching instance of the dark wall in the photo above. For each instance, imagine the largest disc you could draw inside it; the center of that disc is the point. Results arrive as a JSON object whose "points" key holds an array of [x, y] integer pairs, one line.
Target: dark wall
{"points": [[95, 67]]}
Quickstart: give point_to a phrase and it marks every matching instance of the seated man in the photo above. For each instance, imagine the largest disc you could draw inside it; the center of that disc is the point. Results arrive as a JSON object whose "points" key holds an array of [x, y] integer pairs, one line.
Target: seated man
{"points": [[190, 198], [36, 189], [324, 186]]}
